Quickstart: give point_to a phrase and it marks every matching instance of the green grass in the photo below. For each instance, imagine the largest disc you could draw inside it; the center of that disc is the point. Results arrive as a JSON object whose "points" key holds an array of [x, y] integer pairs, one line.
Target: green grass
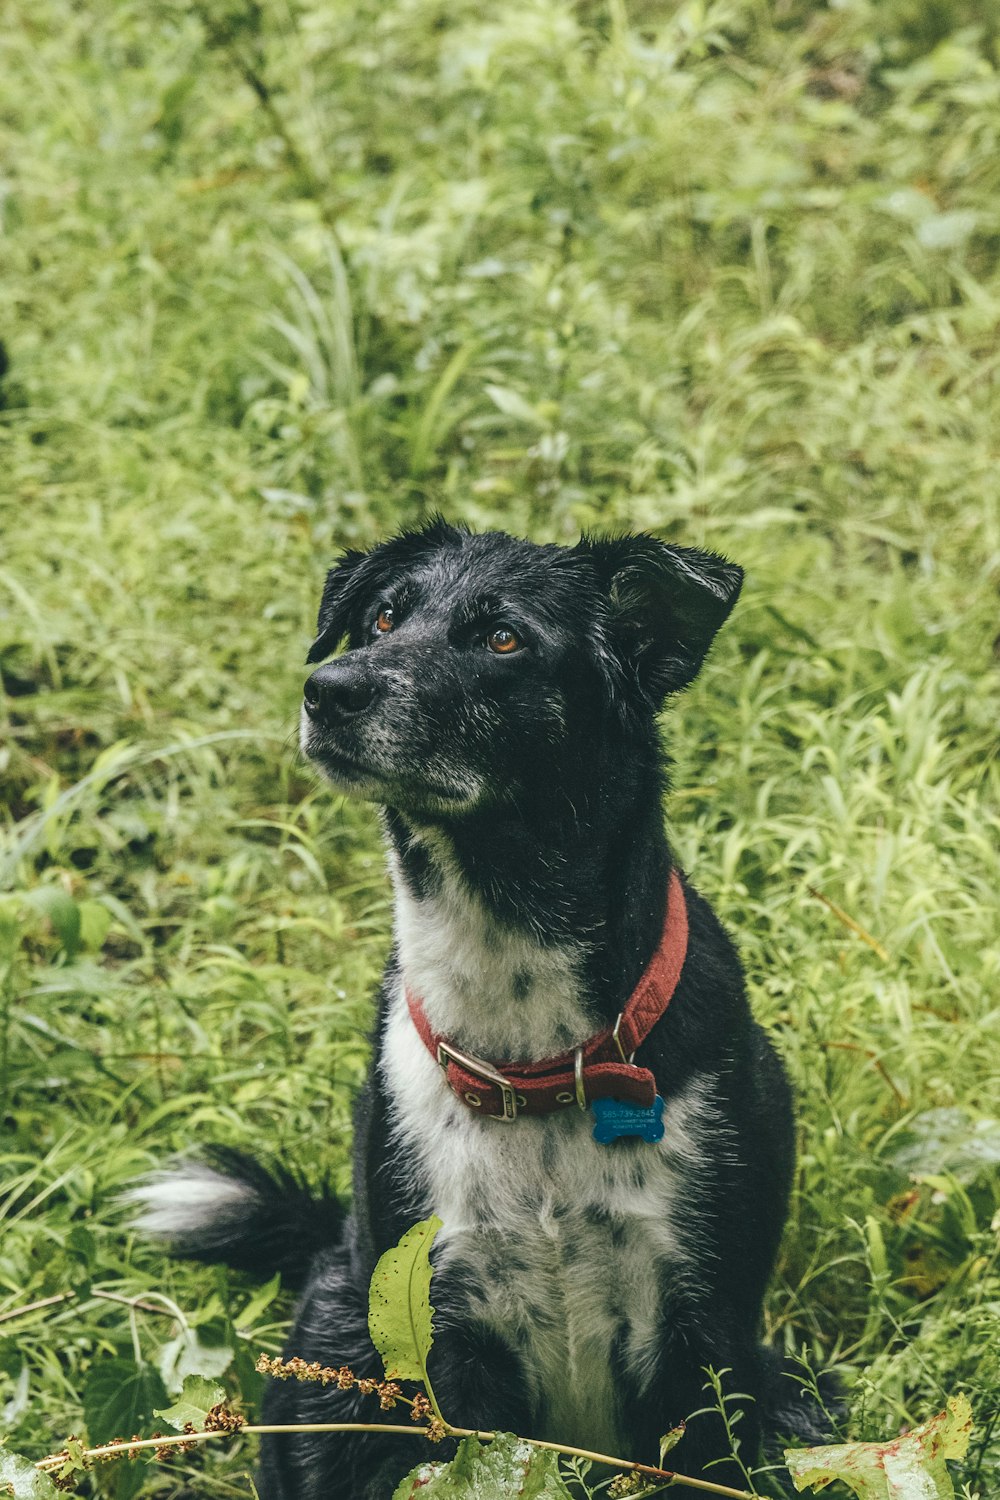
{"points": [[279, 280]]}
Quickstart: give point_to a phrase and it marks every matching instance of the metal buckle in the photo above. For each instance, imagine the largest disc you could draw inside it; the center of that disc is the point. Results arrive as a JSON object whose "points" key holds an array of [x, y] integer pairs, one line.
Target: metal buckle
{"points": [[628, 1061], [475, 1065], [579, 1085]]}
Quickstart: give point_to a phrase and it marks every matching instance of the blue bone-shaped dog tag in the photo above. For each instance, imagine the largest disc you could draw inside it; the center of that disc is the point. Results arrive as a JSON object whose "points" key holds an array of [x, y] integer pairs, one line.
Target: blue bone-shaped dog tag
{"points": [[615, 1119]]}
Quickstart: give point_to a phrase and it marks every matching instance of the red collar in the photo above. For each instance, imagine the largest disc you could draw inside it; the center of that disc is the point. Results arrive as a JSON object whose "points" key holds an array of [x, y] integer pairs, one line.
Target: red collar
{"points": [[598, 1069]]}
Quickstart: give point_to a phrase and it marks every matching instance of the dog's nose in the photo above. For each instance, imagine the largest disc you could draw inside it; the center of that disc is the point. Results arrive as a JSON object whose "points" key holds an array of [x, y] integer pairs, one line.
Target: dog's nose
{"points": [[337, 691]]}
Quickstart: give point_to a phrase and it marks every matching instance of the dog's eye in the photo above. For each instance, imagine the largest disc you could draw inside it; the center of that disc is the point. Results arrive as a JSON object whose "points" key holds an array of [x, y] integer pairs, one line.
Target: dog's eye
{"points": [[503, 641], [384, 620]]}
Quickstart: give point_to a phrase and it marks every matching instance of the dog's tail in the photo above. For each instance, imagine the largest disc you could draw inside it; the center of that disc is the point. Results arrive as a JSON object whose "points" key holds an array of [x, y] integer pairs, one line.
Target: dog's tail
{"points": [[223, 1206]]}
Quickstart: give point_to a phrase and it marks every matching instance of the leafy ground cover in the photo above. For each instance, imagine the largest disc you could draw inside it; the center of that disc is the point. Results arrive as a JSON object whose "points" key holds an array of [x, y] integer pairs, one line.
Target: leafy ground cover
{"points": [[279, 279]]}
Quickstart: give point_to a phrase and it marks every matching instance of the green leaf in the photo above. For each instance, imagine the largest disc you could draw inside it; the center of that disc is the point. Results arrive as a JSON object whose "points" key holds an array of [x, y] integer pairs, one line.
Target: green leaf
{"points": [[81, 1244], [506, 1467], [908, 1468], [249, 1381], [428, 433], [12, 1410], [400, 1316], [20, 1478], [95, 920], [195, 1351], [670, 1440], [258, 1304], [62, 912], [513, 404], [119, 1399], [947, 1139], [193, 1404]]}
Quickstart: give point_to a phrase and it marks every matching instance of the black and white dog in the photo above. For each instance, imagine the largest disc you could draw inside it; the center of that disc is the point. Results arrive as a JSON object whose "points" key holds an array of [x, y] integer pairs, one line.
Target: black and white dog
{"points": [[499, 701]]}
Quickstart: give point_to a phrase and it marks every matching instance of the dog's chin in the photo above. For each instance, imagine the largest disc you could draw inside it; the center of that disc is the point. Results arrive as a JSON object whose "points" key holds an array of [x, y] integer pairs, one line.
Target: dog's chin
{"points": [[409, 792]]}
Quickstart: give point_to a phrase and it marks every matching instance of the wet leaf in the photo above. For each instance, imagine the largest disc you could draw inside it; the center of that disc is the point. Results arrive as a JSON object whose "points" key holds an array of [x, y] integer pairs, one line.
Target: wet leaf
{"points": [[20, 1478], [907, 1468], [506, 1467], [194, 1403], [947, 1139]]}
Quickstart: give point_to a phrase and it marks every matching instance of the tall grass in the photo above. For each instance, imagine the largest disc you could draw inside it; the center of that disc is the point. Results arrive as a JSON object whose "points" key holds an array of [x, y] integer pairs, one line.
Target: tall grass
{"points": [[279, 279]]}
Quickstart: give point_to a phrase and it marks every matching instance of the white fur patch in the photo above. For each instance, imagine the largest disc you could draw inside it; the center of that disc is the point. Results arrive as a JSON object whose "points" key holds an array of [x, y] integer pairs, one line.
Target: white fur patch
{"points": [[186, 1199], [565, 1242], [486, 986]]}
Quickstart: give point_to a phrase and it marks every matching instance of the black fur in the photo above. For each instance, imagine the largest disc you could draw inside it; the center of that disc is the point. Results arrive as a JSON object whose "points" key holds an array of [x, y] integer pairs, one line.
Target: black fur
{"points": [[541, 770], [276, 1224]]}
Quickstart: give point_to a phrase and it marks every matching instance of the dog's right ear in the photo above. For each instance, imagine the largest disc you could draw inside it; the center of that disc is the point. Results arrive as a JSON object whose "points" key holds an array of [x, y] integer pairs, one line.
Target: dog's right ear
{"points": [[359, 575], [346, 584], [666, 604]]}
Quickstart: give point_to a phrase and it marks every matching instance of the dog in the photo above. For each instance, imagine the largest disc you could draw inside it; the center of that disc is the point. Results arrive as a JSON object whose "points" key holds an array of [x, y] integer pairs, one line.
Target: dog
{"points": [[499, 701]]}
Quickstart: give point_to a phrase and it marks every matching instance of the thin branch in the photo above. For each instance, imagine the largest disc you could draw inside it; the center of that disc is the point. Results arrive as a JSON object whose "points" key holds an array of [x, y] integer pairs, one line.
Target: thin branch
{"points": [[254, 79], [850, 924], [127, 1449], [58, 1297], [137, 1302], [178, 1439], [30, 1307], [877, 1064]]}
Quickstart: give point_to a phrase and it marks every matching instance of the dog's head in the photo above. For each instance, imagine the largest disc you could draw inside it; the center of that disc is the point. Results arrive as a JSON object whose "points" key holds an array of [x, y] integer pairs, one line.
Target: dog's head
{"points": [[477, 663]]}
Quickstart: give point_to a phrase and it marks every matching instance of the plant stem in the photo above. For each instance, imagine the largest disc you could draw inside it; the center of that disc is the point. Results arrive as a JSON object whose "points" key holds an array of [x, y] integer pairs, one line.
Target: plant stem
{"points": [[624, 1463], [174, 1440], [58, 1297], [53, 1461], [850, 923], [433, 1400], [30, 1307]]}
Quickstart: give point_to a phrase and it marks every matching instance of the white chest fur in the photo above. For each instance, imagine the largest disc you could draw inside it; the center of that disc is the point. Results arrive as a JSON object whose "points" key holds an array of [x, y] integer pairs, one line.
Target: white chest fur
{"points": [[488, 987], [563, 1243]]}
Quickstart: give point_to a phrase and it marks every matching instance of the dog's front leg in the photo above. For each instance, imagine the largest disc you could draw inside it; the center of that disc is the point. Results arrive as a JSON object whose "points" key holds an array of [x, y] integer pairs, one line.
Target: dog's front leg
{"points": [[681, 1393], [331, 1328], [478, 1378]]}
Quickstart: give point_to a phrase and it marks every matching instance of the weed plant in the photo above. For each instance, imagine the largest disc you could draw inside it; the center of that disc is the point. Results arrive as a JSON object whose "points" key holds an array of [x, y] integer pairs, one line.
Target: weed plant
{"points": [[277, 279]]}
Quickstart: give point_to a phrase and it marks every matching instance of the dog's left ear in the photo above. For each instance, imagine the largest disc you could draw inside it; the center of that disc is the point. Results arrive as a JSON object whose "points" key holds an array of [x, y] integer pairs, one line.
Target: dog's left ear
{"points": [[666, 604]]}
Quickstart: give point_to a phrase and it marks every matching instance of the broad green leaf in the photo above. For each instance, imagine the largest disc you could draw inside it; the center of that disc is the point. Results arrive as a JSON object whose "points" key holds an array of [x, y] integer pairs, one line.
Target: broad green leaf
{"points": [[95, 920], [946, 231], [20, 1478], [400, 1316], [513, 404], [193, 1404], [947, 1139], [876, 1247], [506, 1467], [120, 1398], [62, 911], [194, 1352], [908, 1468]]}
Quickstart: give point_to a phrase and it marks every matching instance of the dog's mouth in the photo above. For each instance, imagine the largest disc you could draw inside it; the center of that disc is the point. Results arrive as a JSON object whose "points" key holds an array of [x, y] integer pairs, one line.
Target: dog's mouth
{"points": [[336, 763], [373, 780]]}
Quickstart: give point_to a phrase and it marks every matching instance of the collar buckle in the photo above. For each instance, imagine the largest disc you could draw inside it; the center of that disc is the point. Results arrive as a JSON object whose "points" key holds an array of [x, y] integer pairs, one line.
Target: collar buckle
{"points": [[628, 1061], [446, 1053]]}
